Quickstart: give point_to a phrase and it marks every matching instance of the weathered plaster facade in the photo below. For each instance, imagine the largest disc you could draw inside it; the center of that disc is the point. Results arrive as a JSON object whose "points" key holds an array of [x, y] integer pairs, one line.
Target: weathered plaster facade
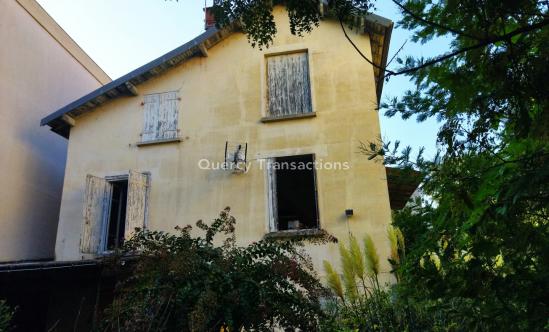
{"points": [[41, 68], [222, 98]]}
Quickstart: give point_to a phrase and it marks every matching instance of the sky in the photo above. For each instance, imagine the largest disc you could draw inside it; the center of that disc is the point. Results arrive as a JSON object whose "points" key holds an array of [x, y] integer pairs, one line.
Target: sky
{"points": [[122, 35]]}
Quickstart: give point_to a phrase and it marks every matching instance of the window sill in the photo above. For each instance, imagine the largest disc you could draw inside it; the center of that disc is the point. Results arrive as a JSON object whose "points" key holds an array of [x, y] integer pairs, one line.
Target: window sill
{"points": [[159, 141], [268, 119], [297, 233]]}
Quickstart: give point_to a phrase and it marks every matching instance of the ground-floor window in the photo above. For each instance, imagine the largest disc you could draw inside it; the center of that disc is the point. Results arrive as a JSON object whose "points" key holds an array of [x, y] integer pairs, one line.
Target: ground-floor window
{"points": [[114, 207], [117, 214], [293, 193]]}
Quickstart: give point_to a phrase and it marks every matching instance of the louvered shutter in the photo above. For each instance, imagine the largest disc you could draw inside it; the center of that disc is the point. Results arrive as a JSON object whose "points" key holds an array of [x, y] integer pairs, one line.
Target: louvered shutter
{"points": [[96, 208], [289, 89], [136, 207]]}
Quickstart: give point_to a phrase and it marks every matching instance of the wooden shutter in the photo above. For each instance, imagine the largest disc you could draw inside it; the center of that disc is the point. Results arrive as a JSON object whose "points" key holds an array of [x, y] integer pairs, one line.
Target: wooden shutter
{"points": [[137, 202], [96, 209], [150, 120], [289, 90], [272, 195], [167, 116], [160, 116]]}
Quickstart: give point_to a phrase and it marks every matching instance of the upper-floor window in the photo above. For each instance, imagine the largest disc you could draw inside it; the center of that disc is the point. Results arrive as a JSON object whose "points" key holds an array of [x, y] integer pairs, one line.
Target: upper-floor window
{"points": [[160, 117], [292, 193], [288, 85]]}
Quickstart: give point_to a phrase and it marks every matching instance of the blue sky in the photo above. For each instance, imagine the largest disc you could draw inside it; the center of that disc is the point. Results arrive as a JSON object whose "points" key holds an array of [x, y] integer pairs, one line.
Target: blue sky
{"points": [[121, 35]]}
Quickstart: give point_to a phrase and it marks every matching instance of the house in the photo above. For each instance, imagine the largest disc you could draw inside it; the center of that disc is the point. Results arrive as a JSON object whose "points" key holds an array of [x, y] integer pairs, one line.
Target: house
{"points": [[212, 123], [41, 68]]}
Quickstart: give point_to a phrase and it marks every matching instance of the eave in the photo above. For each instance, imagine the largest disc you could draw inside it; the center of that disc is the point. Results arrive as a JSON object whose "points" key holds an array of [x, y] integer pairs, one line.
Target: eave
{"points": [[378, 28], [126, 85], [401, 184]]}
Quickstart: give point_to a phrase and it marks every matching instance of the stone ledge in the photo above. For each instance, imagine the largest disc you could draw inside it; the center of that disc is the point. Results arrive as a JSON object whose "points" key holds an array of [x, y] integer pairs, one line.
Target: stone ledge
{"points": [[268, 119], [159, 141]]}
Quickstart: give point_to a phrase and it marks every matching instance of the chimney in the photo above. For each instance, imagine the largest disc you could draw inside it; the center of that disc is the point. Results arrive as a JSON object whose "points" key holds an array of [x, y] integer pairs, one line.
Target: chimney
{"points": [[209, 18]]}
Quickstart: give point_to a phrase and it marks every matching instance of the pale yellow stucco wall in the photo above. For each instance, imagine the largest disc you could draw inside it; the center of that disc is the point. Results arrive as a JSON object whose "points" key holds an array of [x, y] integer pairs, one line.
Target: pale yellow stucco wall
{"points": [[37, 75], [222, 99]]}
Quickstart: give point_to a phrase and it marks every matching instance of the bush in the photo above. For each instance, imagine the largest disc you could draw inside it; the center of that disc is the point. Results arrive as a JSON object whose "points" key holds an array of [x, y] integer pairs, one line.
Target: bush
{"points": [[185, 283], [6, 314], [360, 303]]}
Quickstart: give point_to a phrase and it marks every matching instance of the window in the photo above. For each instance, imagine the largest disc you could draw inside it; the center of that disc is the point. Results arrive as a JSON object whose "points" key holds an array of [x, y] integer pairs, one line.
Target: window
{"points": [[293, 195], [160, 117], [288, 86], [112, 211], [117, 215]]}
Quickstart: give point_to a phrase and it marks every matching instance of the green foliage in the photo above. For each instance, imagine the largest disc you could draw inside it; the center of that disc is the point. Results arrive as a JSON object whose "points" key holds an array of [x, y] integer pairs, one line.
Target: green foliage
{"points": [[257, 21], [180, 282], [6, 315], [482, 237], [362, 304]]}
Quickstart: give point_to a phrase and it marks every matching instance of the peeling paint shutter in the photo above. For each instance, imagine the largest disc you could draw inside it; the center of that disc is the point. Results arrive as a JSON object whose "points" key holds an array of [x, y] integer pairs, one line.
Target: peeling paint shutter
{"points": [[152, 103], [137, 202], [160, 116], [289, 90], [168, 115], [272, 195], [96, 207]]}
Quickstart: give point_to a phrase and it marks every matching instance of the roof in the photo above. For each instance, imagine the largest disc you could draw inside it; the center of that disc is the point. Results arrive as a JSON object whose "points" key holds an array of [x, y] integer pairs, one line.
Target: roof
{"points": [[48, 23], [402, 183], [378, 28]]}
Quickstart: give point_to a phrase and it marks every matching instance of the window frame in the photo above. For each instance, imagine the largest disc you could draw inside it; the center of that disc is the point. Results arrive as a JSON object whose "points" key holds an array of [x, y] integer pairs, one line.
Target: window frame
{"points": [[104, 221], [106, 216], [272, 222]]}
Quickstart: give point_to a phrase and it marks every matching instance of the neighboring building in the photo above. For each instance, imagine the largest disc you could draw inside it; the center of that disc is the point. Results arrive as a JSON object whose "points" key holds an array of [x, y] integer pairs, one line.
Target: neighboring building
{"points": [[135, 145], [41, 68]]}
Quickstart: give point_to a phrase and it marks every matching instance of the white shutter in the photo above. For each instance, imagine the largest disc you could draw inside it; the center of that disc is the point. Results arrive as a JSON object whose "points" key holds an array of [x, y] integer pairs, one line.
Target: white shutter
{"points": [[150, 117], [96, 209], [272, 195], [289, 89], [160, 116], [168, 116], [136, 208]]}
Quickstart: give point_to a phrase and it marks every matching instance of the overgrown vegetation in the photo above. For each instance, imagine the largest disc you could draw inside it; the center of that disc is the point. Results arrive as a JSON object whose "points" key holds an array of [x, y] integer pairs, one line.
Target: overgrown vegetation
{"points": [[6, 315], [185, 283], [360, 302]]}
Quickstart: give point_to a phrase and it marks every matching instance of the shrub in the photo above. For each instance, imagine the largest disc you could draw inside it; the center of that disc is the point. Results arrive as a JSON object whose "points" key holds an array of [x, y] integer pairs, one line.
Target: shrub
{"points": [[184, 283], [360, 303], [6, 314]]}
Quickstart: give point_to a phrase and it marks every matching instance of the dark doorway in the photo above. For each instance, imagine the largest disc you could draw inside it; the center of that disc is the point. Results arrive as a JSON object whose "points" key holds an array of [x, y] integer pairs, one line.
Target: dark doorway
{"points": [[296, 197], [117, 216]]}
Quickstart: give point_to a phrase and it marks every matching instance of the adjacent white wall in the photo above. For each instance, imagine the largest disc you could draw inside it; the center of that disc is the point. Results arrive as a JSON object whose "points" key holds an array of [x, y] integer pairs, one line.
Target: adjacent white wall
{"points": [[41, 70]]}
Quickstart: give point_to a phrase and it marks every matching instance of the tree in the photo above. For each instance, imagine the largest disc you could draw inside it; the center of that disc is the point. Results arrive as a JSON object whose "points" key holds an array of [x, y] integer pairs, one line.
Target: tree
{"points": [[482, 239], [6, 316], [184, 283]]}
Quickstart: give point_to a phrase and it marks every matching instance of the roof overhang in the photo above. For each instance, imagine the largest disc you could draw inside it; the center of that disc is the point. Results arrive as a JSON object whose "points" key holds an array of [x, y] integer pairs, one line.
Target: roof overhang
{"points": [[378, 28], [402, 184]]}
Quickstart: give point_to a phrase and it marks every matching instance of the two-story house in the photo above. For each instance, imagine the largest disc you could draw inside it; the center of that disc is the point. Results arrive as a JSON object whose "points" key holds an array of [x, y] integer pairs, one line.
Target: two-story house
{"points": [[148, 149]]}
